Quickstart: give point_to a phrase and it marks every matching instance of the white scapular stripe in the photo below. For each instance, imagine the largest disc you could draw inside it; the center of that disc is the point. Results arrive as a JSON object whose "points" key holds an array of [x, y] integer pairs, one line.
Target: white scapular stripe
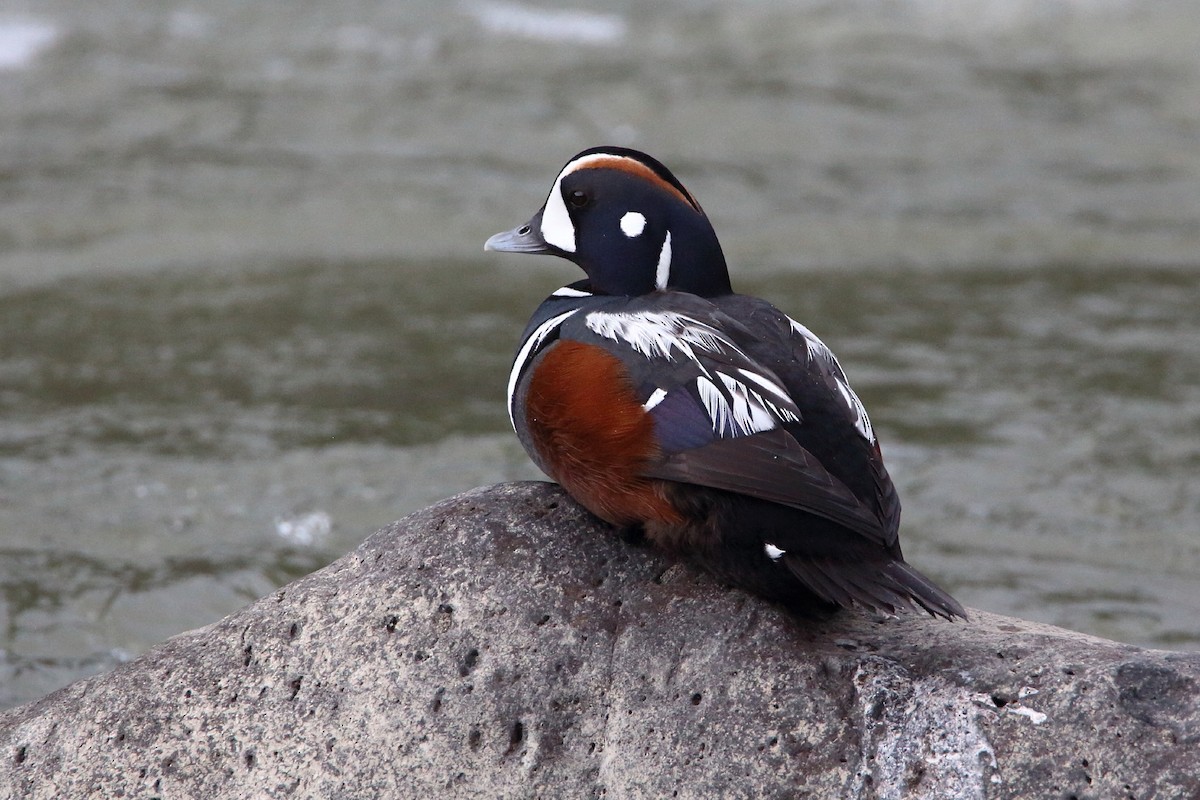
{"points": [[818, 351], [765, 383], [773, 552], [662, 275], [735, 409], [656, 334], [750, 413], [714, 403], [532, 343], [632, 224]]}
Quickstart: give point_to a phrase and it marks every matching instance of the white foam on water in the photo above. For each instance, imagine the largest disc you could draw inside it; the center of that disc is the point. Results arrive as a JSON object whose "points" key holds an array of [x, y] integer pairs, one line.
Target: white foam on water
{"points": [[305, 529], [566, 26], [22, 40]]}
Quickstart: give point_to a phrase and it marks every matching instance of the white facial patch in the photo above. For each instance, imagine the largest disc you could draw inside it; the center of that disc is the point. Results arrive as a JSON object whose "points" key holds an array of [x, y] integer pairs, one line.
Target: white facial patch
{"points": [[662, 275], [773, 552], [632, 224], [557, 228]]}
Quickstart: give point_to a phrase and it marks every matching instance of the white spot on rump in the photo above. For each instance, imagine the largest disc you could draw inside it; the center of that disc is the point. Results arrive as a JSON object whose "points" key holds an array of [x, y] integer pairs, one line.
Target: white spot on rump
{"points": [[633, 223], [662, 275], [773, 552]]}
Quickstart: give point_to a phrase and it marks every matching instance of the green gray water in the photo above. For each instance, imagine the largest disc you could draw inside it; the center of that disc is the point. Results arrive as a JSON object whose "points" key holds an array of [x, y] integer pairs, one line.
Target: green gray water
{"points": [[245, 319]]}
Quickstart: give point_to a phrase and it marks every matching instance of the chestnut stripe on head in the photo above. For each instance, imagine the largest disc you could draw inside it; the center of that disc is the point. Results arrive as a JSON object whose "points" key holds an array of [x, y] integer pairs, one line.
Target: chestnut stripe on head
{"points": [[557, 228], [633, 167]]}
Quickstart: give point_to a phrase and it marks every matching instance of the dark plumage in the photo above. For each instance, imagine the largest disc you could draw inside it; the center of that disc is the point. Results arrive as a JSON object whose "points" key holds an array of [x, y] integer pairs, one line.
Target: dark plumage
{"points": [[659, 398]]}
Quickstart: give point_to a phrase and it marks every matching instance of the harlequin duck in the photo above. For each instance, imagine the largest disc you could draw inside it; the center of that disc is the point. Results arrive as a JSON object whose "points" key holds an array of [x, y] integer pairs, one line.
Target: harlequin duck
{"points": [[661, 399]]}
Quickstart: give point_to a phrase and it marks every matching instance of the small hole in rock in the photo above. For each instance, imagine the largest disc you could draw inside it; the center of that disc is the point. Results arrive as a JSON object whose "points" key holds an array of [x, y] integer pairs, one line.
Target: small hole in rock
{"points": [[469, 662], [696, 698], [516, 735]]}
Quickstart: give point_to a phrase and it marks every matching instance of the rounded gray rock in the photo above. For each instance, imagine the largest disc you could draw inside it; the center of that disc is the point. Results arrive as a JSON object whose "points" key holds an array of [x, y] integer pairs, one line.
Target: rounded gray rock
{"points": [[503, 643]]}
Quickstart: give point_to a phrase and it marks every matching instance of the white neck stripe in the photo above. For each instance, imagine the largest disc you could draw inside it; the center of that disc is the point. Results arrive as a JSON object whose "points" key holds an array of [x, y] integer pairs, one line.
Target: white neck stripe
{"points": [[662, 275]]}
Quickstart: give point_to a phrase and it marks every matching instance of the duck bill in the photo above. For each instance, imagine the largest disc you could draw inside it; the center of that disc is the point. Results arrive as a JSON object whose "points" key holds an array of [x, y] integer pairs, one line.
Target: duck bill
{"points": [[525, 238]]}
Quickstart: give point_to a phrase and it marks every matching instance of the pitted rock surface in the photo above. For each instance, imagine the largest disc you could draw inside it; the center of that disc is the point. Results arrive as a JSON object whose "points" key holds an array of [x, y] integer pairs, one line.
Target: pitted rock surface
{"points": [[503, 643]]}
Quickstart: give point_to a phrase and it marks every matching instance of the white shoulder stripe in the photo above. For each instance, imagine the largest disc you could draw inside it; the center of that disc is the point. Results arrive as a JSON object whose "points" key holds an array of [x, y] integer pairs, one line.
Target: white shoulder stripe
{"points": [[654, 399], [532, 343], [568, 291]]}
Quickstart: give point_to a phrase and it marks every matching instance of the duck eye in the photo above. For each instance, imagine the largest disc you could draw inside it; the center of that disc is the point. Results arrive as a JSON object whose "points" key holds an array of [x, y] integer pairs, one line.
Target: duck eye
{"points": [[578, 198]]}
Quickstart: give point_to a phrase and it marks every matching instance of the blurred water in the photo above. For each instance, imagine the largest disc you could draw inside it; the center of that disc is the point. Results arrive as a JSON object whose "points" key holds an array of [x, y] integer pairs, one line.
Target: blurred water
{"points": [[245, 319]]}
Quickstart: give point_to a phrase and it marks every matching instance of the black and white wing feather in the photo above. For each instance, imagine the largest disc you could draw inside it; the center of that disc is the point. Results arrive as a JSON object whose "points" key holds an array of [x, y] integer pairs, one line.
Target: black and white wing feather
{"points": [[723, 418]]}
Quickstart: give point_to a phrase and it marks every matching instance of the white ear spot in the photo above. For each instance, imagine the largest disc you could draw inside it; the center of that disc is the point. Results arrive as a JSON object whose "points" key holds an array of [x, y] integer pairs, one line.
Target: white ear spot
{"points": [[773, 552], [632, 224]]}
